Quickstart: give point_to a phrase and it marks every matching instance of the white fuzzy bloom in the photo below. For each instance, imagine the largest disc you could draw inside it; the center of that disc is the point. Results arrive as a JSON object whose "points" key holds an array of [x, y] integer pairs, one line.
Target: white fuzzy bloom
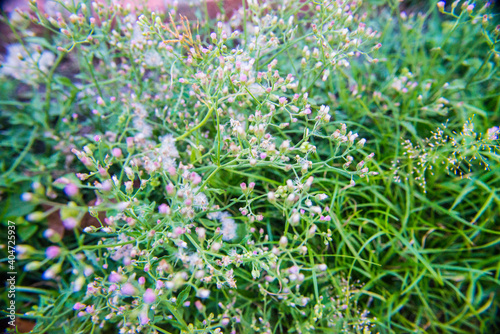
{"points": [[203, 293], [200, 201], [229, 226], [167, 148], [145, 130], [137, 36], [492, 133], [153, 59], [256, 90], [26, 64]]}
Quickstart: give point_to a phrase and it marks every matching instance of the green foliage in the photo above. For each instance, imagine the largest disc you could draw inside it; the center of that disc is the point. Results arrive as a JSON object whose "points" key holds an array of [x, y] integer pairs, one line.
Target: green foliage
{"points": [[225, 180]]}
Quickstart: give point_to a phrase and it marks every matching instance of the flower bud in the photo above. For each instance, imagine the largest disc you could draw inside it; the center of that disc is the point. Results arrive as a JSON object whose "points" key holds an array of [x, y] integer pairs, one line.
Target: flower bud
{"points": [[283, 241], [35, 216], [34, 265], [271, 197]]}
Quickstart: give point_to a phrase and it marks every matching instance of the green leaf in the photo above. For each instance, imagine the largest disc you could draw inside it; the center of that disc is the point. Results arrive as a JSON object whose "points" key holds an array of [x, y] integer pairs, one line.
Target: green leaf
{"points": [[26, 231], [409, 127], [183, 296], [65, 82]]}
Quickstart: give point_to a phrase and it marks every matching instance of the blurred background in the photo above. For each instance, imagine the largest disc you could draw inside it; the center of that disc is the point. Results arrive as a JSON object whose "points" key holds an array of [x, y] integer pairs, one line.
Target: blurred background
{"points": [[186, 7]]}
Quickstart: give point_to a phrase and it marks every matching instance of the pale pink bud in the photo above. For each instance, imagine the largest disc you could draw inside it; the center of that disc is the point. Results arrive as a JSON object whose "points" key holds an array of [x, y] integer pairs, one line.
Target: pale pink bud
{"points": [[172, 171], [130, 142], [170, 189], [143, 318], [199, 305], [79, 306], [283, 241], [117, 152]]}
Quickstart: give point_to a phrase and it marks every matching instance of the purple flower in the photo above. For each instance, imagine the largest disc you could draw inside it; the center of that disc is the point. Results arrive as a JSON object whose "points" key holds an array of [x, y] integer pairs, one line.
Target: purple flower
{"points": [[70, 223], [149, 296], [128, 289], [164, 209], [52, 252], [114, 277], [71, 190], [143, 317], [78, 306]]}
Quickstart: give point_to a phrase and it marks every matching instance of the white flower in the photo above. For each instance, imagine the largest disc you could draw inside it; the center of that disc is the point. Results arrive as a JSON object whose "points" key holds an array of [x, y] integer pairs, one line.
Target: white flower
{"points": [[137, 36], [153, 59], [26, 64], [145, 130], [229, 226], [200, 200], [492, 133], [167, 148]]}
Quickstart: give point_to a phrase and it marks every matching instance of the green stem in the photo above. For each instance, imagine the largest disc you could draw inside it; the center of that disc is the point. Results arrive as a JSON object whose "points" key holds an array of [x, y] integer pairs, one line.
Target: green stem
{"points": [[49, 86], [23, 153], [210, 111]]}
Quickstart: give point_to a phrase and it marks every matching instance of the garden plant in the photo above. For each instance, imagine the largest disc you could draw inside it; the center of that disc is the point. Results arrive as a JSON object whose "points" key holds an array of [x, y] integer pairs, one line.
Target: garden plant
{"points": [[322, 166]]}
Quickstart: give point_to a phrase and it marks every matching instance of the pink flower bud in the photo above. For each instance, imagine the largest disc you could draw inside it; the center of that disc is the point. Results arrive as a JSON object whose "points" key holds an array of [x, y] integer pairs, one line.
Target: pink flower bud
{"points": [[172, 171], [117, 152], [130, 142], [164, 209], [196, 179], [199, 305], [170, 189], [143, 318]]}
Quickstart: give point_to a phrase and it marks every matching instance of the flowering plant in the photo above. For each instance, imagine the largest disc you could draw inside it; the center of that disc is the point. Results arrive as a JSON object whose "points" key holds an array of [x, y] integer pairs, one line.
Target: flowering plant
{"points": [[203, 177]]}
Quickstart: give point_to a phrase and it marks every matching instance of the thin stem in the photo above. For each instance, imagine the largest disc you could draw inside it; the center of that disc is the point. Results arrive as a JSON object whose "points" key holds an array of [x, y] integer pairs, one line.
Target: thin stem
{"points": [[210, 111], [49, 86]]}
